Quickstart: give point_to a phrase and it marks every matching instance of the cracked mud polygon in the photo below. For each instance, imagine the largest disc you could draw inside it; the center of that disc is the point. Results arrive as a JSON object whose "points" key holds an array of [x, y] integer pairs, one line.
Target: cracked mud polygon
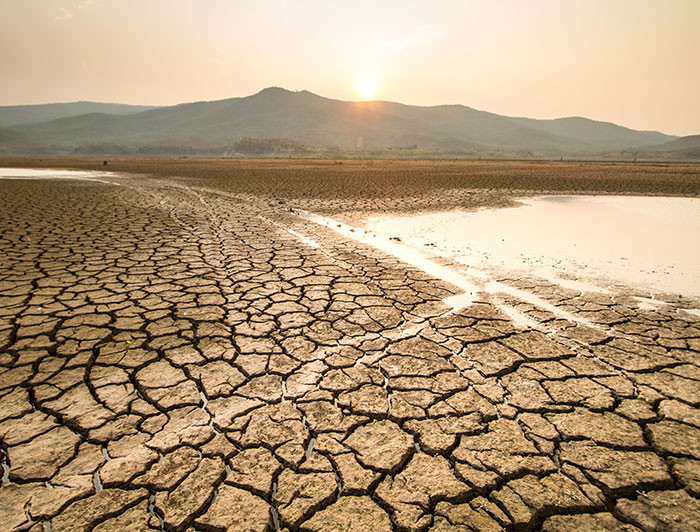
{"points": [[173, 356]]}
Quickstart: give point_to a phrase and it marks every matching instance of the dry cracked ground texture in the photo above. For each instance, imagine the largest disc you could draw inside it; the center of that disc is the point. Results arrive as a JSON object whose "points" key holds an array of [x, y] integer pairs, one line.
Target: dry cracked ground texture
{"points": [[174, 359]]}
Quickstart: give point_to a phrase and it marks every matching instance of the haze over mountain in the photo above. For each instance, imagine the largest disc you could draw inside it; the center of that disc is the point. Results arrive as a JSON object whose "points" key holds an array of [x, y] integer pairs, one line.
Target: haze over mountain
{"points": [[302, 122], [33, 114], [688, 147]]}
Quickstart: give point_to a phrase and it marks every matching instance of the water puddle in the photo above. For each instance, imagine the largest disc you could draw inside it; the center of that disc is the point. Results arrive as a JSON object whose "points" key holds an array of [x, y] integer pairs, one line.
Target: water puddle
{"points": [[648, 303], [472, 282], [495, 287], [43, 173], [154, 512], [406, 254], [97, 481], [310, 448], [588, 244], [305, 239], [650, 243], [273, 510], [519, 319], [5, 465]]}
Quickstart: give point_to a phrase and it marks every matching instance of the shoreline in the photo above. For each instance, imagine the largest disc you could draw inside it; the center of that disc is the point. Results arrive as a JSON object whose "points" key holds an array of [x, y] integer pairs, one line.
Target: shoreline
{"points": [[644, 243], [367, 178], [352, 190]]}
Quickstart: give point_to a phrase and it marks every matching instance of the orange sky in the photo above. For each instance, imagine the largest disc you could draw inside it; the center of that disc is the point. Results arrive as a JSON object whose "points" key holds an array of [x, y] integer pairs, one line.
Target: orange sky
{"points": [[633, 62]]}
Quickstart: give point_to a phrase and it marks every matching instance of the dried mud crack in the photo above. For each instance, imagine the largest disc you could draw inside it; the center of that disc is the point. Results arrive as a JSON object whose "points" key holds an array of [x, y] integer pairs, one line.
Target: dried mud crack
{"points": [[178, 358]]}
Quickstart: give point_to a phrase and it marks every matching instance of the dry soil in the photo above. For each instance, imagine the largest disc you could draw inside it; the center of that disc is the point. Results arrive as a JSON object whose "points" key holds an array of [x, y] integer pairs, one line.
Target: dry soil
{"points": [[173, 358]]}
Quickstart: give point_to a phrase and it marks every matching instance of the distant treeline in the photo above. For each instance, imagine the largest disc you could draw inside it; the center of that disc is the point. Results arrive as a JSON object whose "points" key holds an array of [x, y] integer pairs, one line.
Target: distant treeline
{"points": [[148, 150], [253, 146], [250, 147], [279, 147]]}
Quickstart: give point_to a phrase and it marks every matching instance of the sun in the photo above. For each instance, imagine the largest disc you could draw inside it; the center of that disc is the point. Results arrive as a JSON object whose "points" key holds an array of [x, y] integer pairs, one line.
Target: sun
{"points": [[367, 90]]}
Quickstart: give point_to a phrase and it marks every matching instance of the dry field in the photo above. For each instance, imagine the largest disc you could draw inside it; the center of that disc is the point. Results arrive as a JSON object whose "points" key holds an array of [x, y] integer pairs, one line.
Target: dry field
{"points": [[381, 186], [173, 356]]}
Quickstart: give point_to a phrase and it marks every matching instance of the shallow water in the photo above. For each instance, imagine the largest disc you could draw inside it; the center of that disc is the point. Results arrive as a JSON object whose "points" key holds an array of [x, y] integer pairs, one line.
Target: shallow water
{"points": [[650, 243], [44, 173], [472, 283], [405, 253]]}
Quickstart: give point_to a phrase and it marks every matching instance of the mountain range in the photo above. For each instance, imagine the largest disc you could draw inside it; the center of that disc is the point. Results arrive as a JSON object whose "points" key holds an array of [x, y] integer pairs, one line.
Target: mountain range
{"points": [[279, 122]]}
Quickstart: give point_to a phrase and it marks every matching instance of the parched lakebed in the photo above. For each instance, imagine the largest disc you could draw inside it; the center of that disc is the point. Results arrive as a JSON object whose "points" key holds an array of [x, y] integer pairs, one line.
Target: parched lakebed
{"points": [[183, 355]]}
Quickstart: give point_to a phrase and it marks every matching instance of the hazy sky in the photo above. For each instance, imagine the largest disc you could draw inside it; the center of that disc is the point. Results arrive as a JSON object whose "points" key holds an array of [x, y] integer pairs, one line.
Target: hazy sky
{"points": [[633, 62]]}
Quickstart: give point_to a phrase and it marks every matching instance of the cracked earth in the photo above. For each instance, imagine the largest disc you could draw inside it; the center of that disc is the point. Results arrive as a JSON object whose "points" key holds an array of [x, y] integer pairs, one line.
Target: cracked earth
{"points": [[179, 358]]}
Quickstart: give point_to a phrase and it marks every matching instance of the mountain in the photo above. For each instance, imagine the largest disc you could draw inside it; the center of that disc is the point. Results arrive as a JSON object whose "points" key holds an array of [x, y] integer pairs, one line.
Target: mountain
{"points": [[606, 134], [14, 115], [683, 147], [303, 119]]}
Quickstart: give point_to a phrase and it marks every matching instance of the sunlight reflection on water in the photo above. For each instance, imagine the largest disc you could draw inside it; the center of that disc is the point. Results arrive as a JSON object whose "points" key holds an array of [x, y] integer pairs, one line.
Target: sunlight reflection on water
{"points": [[44, 173], [651, 243]]}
